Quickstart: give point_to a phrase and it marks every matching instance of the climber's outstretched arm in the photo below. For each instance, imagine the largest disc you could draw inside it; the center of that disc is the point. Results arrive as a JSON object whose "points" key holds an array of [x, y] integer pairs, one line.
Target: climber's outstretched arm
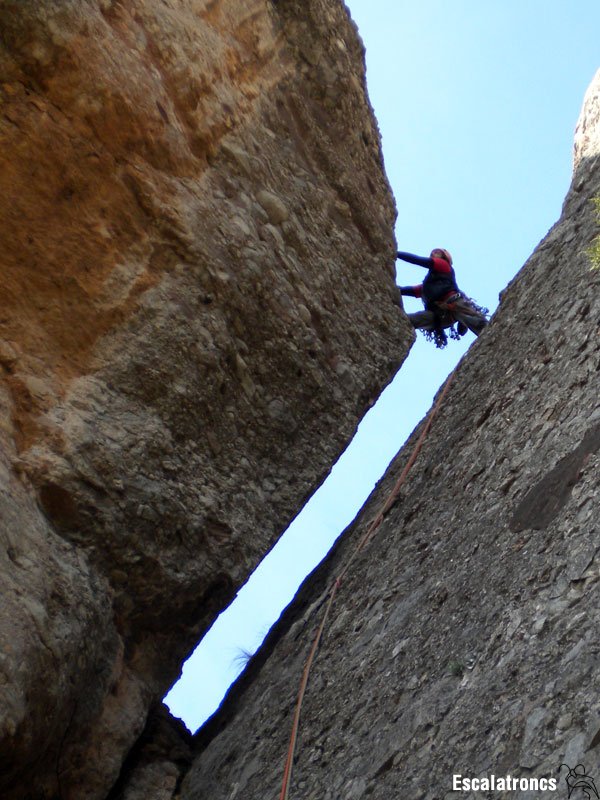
{"points": [[435, 264], [420, 261]]}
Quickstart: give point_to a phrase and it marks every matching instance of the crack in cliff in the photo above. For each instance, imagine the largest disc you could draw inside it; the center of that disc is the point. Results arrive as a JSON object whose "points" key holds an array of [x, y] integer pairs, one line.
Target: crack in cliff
{"points": [[478, 620]]}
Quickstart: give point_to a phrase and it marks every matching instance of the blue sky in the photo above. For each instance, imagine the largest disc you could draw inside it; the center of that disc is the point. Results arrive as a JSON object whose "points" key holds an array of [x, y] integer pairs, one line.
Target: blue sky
{"points": [[477, 103]]}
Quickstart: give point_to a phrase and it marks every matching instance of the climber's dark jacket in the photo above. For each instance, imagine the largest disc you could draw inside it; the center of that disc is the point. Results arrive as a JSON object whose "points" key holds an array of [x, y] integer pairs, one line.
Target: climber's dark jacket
{"points": [[439, 284]]}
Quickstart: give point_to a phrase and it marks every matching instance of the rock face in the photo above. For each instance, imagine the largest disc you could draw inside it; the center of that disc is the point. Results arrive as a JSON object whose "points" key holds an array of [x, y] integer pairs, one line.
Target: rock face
{"points": [[198, 306], [587, 141], [463, 639]]}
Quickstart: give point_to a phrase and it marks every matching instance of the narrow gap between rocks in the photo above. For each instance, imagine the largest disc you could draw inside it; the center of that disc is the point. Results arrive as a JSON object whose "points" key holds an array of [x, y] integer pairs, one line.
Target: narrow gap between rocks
{"points": [[241, 628]]}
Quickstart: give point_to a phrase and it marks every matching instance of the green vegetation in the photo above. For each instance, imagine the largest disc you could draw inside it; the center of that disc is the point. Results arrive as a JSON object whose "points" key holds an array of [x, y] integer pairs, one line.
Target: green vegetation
{"points": [[456, 668], [594, 249]]}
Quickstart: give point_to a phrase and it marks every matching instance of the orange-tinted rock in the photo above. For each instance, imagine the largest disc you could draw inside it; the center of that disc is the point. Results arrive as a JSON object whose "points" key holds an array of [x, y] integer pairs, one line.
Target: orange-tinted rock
{"points": [[198, 306]]}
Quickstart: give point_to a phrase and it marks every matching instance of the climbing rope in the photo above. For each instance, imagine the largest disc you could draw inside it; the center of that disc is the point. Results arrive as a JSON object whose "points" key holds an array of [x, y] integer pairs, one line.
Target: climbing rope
{"points": [[362, 543]]}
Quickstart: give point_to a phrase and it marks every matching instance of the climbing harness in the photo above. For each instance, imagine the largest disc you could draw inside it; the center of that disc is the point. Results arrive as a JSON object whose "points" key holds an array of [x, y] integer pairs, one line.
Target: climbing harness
{"points": [[331, 592], [445, 317]]}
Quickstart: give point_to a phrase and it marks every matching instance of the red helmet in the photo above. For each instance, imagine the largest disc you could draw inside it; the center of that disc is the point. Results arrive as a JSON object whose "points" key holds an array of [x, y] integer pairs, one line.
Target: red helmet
{"points": [[439, 252]]}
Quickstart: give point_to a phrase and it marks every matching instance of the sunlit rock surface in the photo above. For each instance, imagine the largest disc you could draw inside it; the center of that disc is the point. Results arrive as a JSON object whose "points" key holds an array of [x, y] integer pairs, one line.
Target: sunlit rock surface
{"points": [[464, 638], [198, 306], [587, 140]]}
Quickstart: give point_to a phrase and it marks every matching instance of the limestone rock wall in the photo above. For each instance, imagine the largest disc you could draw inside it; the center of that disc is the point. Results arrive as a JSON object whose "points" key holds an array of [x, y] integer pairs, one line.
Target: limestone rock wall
{"points": [[464, 638], [198, 306]]}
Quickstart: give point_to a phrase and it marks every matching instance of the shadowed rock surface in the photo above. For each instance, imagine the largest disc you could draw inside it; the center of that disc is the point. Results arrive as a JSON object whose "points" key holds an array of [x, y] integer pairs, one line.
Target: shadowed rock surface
{"points": [[198, 307], [464, 638]]}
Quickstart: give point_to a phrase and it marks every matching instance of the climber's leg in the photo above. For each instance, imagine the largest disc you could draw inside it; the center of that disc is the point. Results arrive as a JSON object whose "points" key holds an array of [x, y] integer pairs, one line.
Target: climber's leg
{"points": [[470, 316], [423, 320]]}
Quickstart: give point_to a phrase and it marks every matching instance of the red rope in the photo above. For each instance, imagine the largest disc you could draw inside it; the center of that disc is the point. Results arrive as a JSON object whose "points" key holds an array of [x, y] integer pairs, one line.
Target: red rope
{"points": [[287, 772]]}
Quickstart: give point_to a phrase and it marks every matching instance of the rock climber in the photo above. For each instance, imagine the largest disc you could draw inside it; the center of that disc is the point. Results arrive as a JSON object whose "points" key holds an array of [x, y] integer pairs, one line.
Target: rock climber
{"points": [[444, 303]]}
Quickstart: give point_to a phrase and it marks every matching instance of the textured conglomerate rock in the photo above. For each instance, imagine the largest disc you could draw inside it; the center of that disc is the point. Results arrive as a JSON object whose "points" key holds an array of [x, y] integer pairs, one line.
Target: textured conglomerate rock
{"points": [[197, 306], [464, 638]]}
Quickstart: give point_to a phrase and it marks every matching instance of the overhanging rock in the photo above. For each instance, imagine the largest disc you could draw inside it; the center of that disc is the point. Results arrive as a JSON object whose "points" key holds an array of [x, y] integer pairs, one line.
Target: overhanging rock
{"points": [[198, 307]]}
